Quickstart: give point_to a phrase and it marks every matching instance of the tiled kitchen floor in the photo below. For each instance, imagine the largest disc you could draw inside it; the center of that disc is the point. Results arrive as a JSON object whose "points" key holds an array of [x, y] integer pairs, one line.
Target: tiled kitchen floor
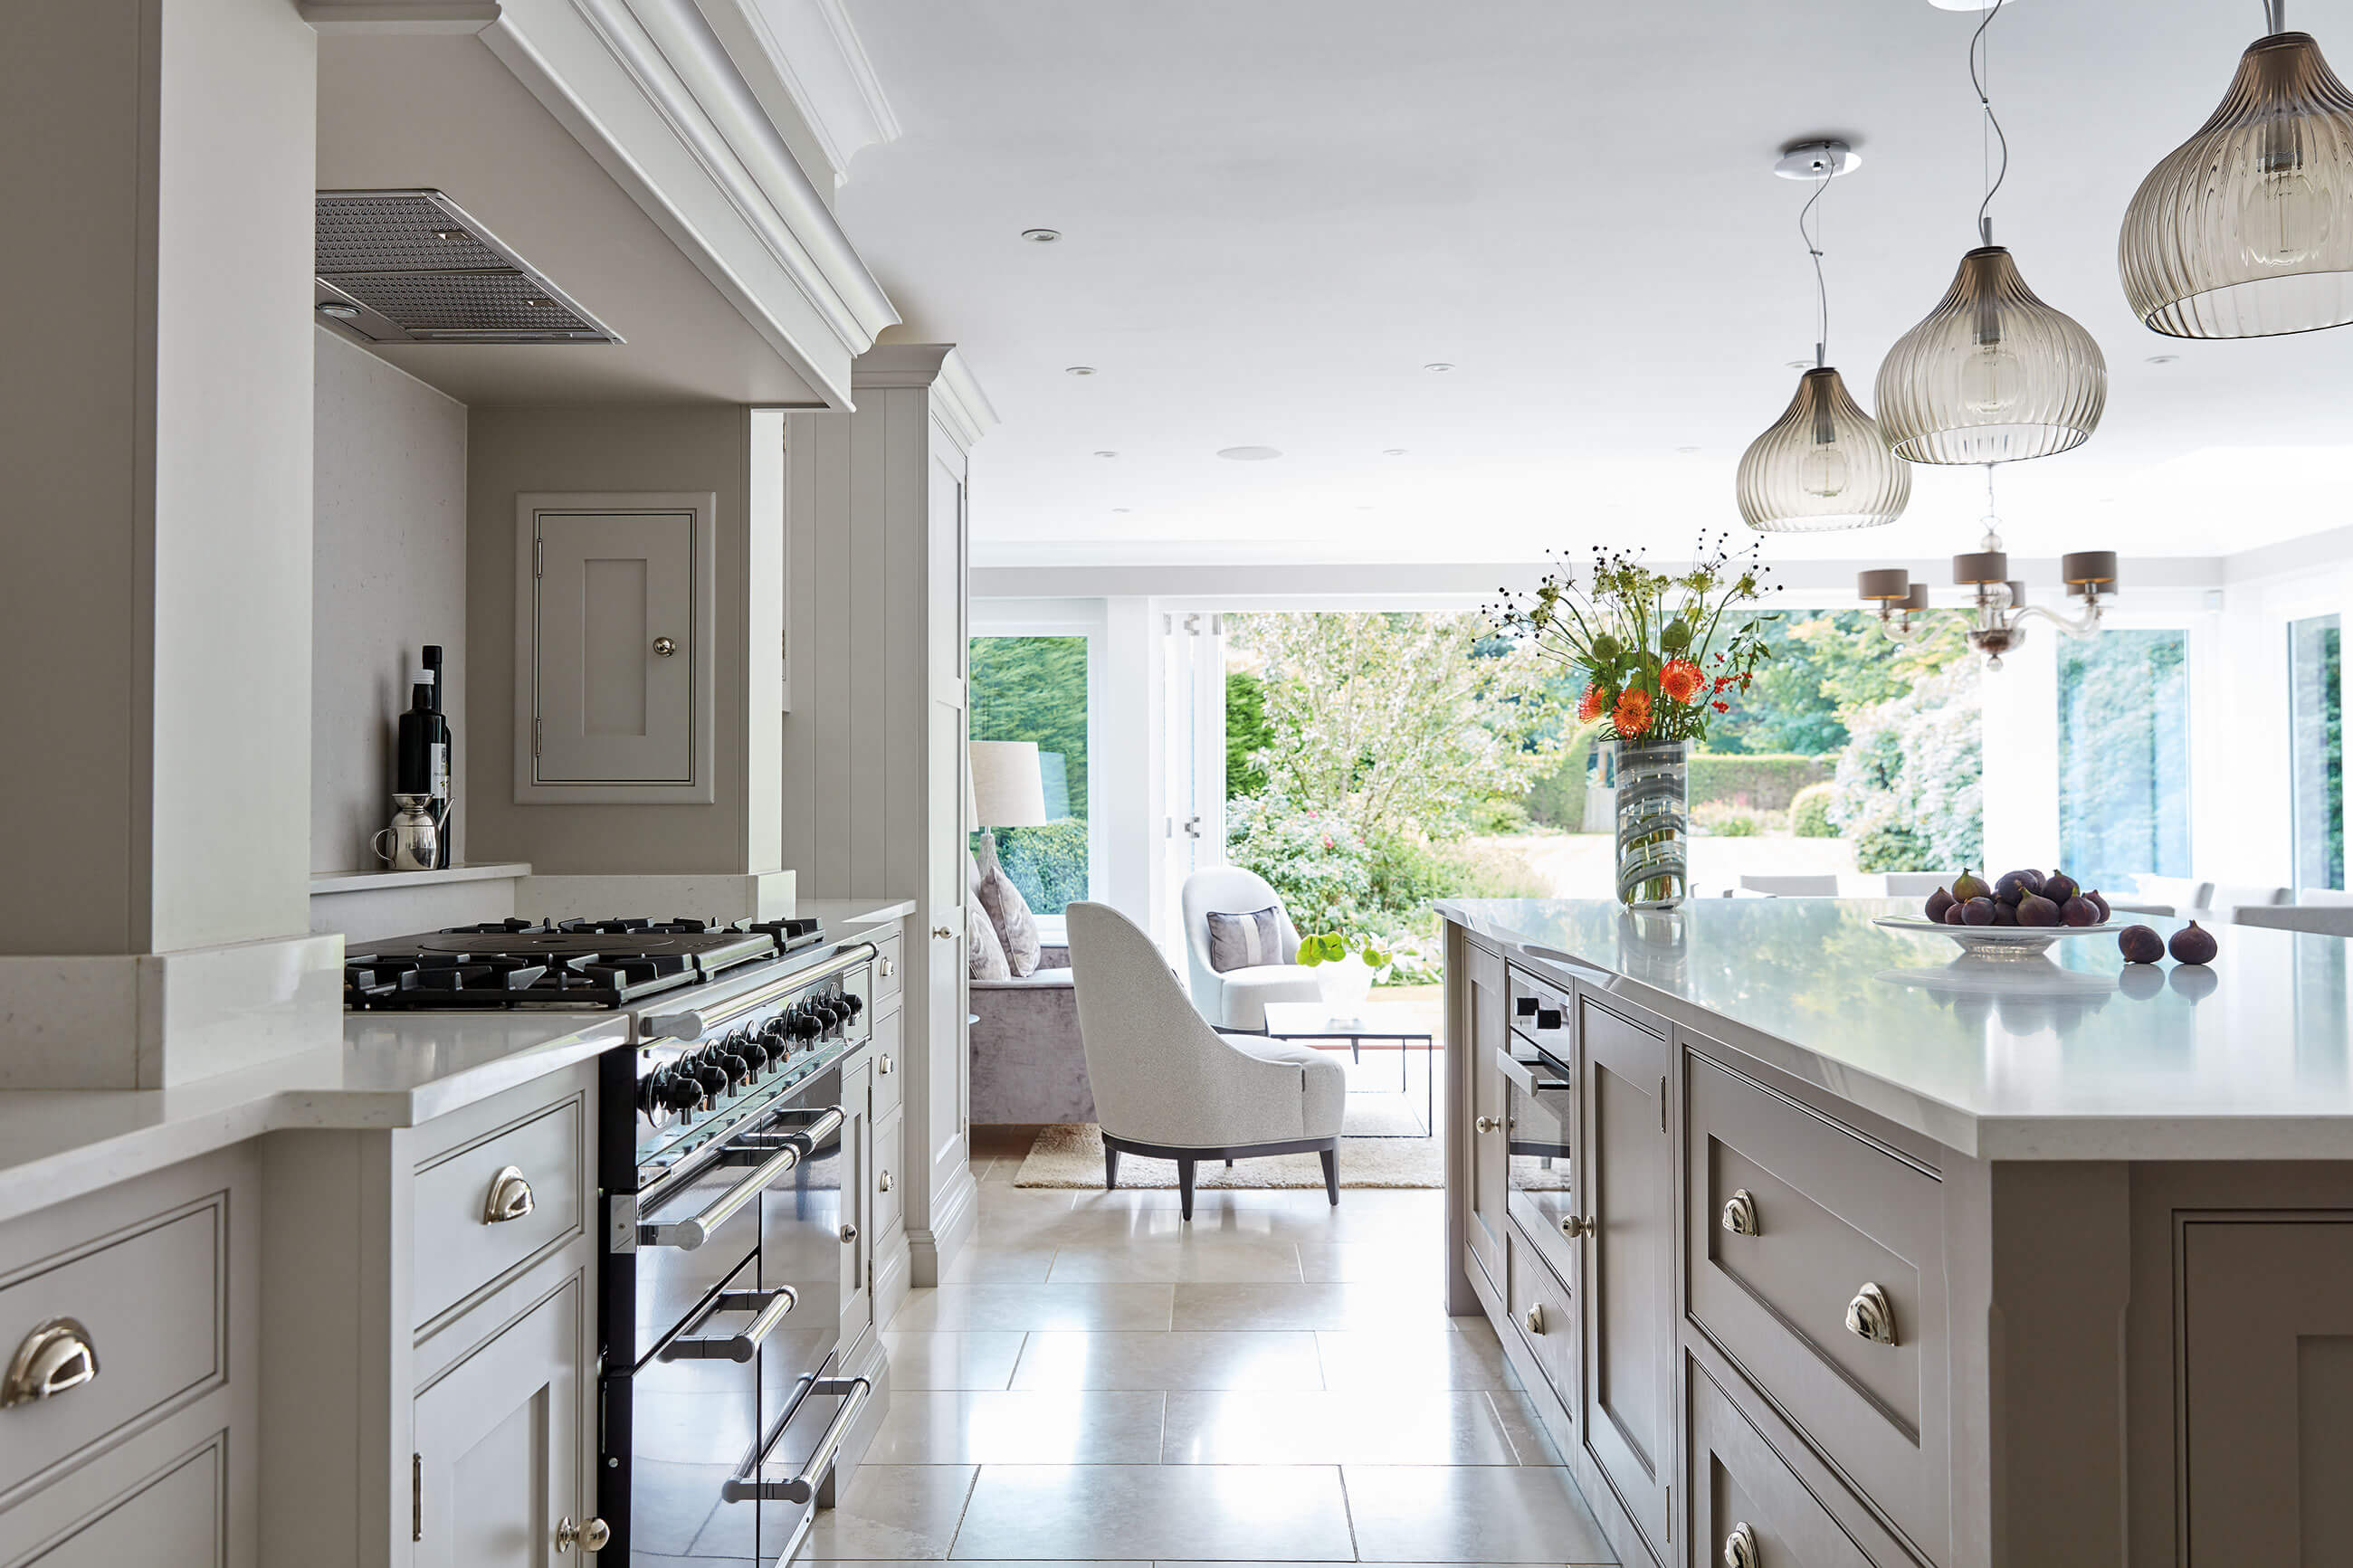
{"points": [[1278, 1383]]}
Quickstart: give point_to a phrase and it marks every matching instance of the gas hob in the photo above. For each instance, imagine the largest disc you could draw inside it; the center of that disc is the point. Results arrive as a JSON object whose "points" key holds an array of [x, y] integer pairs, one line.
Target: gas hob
{"points": [[573, 963]]}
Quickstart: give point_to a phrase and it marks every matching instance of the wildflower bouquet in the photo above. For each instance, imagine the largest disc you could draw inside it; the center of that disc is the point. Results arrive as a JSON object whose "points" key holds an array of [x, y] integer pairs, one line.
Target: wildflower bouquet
{"points": [[1661, 653]]}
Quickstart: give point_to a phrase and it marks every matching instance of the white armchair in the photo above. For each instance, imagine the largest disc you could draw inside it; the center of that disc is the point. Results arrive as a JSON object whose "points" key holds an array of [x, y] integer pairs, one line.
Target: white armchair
{"points": [[1236, 998], [1168, 1087]]}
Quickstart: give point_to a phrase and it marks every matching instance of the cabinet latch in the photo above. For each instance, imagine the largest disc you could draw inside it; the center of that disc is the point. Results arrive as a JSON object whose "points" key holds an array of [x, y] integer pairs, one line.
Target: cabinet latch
{"points": [[416, 1497]]}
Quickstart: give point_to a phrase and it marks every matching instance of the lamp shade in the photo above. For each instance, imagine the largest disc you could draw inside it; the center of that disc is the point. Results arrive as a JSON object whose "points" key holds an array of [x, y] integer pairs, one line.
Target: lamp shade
{"points": [[2246, 229], [1981, 567], [2094, 569], [1007, 788], [1824, 465], [1885, 584], [1992, 375]]}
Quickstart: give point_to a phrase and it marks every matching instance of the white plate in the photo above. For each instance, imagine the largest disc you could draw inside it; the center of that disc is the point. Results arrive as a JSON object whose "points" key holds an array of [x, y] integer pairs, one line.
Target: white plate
{"points": [[1997, 941]]}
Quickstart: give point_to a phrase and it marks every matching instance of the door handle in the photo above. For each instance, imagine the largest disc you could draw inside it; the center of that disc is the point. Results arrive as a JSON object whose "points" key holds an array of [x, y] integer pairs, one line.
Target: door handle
{"points": [[1576, 1225], [943, 933]]}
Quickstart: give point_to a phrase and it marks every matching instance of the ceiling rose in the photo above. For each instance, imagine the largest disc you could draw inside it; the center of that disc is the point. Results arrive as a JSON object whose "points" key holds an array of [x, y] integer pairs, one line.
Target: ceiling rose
{"points": [[2246, 229]]}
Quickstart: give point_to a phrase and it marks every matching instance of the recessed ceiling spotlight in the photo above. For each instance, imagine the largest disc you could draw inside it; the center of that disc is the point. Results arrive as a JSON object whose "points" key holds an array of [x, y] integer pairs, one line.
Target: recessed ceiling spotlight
{"points": [[1393, 451], [1119, 509], [1106, 454], [2163, 359], [1687, 451], [1078, 370], [1041, 235], [1801, 365], [339, 310], [1364, 508], [1248, 454], [1437, 367]]}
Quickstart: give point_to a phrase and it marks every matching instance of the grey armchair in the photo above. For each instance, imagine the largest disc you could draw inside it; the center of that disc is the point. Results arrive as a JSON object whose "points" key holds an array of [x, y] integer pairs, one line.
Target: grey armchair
{"points": [[1236, 998], [1168, 1087]]}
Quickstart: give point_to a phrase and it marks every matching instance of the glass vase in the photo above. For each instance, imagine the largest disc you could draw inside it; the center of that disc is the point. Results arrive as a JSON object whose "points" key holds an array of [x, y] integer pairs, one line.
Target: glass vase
{"points": [[1653, 823]]}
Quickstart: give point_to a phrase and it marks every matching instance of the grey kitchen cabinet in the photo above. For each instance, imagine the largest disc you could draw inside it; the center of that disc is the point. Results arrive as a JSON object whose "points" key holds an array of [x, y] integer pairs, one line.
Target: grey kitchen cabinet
{"points": [[858, 1178], [1630, 1422], [499, 1474], [1486, 1164], [176, 1517], [615, 648]]}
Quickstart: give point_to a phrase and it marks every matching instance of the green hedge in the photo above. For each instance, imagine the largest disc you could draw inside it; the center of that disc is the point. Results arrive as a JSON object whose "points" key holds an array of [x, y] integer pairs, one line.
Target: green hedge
{"points": [[1758, 783], [1810, 812], [1558, 799], [1048, 864]]}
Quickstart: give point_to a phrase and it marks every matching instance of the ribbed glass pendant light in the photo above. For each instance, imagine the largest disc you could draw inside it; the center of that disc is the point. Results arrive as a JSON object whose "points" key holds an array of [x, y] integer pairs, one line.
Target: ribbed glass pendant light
{"points": [[1992, 375], [2246, 229], [1824, 465]]}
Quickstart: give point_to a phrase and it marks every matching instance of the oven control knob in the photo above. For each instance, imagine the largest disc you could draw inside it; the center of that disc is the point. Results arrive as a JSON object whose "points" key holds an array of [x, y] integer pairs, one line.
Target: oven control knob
{"points": [[677, 1090], [738, 1066], [834, 1012], [775, 1040], [711, 1076], [854, 1003], [807, 1025], [650, 1091]]}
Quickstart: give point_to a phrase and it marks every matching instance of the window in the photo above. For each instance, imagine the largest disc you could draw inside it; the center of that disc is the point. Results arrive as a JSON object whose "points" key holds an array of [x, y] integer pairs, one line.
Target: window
{"points": [[1035, 688], [2317, 752], [2123, 757]]}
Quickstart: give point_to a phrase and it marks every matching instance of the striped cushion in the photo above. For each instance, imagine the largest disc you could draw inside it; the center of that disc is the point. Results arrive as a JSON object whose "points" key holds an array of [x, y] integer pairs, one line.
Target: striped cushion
{"points": [[1245, 942]]}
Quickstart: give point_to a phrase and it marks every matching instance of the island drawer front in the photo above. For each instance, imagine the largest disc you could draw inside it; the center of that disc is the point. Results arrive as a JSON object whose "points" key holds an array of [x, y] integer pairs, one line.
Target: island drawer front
{"points": [[1544, 1310], [151, 1303], [1740, 1484], [1543, 1013], [460, 1250], [887, 965], [889, 1063], [889, 1179], [1828, 1213]]}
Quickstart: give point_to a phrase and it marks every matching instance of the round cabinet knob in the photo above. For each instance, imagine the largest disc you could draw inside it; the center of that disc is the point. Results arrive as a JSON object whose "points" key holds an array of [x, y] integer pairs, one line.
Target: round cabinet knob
{"points": [[884, 1184], [889, 968], [1740, 1213], [849, 1234], [588, 1535], [1535, 1319], [883, 1066], [1870, 1316], [942, 932], [1740, 1548], [1486, 1124], [510, 1197], [665, 646], [55, 1356], [1576, 1225]]}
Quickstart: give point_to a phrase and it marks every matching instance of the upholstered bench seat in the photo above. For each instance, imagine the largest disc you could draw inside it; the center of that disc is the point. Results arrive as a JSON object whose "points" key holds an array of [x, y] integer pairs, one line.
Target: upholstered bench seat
{"points": [[1028, 1068]]}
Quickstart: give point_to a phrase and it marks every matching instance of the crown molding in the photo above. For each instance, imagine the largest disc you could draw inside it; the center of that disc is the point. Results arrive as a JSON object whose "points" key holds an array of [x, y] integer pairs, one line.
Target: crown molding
{"points": [[962, 407], [806, 64], [650, 91]]}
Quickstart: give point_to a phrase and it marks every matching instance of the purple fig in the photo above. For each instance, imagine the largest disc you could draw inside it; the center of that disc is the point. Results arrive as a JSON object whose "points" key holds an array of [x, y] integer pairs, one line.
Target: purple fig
{"points": [[1939, 902], [2140, 944], [1978, 913], [1969, 885], [2192, 944], [1952, 915], [2004, 914], [2034, 909], [2059, 886], [2080, 911], [2107, 914], [2016, 885]]}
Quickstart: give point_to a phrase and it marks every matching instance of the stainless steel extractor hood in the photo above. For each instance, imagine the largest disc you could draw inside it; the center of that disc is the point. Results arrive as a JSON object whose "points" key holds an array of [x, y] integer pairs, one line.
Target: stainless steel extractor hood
{"points": [[412, 266]]}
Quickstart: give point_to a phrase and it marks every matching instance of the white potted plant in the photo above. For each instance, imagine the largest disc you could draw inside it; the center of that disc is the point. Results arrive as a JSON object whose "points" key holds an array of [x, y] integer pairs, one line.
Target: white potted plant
{"points": [[1344, 969]]}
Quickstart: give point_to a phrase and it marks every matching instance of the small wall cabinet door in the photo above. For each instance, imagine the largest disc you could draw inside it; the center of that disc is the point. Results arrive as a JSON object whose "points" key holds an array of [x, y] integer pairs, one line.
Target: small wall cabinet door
{"points": [[500, 1441], [1487, 1167], [615, 652], [1629, 1264], [2267, 1316]]}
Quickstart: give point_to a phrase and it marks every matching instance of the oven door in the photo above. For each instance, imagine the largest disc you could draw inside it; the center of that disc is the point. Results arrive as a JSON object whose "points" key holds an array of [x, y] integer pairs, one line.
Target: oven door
{"points": [[1540, 1119]]}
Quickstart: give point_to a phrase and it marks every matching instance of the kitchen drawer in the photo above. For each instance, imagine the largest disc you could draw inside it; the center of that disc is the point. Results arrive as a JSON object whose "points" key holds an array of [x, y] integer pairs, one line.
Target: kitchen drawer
{"points": [[1831, 1222], [887, 965], [890, 1174], [460, 1248], [889, 1062], [1544, 1310], [1742, 1490], [1543, 1013], [151, 1300]]}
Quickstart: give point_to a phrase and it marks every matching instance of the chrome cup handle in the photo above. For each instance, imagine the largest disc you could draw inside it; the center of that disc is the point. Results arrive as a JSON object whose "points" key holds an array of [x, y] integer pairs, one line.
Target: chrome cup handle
{"points": [[1870, 1316], [509, 1199], [1740, 1548], [55, 1356]]}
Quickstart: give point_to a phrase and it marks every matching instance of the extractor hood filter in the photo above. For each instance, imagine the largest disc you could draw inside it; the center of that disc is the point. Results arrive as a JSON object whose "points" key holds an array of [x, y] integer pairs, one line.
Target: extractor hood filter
{"points": [[412, 266]]}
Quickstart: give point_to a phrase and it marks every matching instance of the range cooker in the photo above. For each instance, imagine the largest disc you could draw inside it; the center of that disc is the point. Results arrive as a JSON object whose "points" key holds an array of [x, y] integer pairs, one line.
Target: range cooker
{"points": [[724, 1157]]}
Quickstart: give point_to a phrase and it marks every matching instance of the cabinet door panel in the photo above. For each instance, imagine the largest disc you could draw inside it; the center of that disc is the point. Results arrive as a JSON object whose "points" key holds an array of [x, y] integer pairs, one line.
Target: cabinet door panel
{"points": [[174, 1518], [2267, 1321], [612, 707], [1629, 1264], [1487, 1167], [499, 1445]]}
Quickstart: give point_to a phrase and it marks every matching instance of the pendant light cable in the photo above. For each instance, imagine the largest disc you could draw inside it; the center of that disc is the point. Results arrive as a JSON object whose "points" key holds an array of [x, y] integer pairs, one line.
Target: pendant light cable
{"points": [[1814, 249], [2275, 16], [1977, 79]]}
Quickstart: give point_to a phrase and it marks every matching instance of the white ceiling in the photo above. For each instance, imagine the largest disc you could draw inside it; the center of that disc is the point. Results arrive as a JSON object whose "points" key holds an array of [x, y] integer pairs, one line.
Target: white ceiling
{"points": [[1276, 213]]}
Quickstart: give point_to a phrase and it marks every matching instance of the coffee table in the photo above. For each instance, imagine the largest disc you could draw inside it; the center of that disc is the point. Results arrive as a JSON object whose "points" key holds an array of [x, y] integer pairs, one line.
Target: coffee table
{"points": [[1373, 1021]]}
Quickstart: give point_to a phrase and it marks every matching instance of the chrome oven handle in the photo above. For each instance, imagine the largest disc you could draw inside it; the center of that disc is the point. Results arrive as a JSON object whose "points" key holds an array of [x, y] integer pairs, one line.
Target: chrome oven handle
{"points": [[699, 1022], [747, 1484], [770, 1307], [795, 1146]]}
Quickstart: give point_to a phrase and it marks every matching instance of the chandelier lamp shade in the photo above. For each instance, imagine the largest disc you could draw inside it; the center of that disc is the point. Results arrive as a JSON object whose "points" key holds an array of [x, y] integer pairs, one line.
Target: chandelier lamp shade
{"points": [[1824, 465], [1992, 375], [2246, 229]]}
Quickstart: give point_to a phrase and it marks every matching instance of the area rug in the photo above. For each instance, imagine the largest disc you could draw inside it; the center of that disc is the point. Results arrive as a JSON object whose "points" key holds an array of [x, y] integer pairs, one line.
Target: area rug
{"points": [[1071, 1155]]}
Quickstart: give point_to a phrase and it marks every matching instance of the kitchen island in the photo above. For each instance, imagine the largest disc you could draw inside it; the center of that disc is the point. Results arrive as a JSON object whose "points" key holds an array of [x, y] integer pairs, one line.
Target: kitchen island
{"points": [[1818, 1244]]}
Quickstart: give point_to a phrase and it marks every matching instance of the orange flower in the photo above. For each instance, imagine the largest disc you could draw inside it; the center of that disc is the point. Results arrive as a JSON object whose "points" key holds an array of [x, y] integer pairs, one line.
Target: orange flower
{"points": [[1595, 703], [1681, 681], [1632, 717]]}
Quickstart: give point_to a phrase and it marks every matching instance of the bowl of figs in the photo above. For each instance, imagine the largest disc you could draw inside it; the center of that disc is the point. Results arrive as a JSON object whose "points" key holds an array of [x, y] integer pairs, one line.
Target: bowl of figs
{"points": [[2019, 914]]}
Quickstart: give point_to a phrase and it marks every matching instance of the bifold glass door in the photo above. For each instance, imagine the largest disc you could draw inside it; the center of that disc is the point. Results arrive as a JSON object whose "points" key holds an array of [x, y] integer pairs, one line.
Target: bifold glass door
{"points": [[1193, 753], [2316, 751]]}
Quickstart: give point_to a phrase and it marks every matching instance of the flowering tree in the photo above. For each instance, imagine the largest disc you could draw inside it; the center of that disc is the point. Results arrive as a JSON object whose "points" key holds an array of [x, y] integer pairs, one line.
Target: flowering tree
{"points": [[1909, 790]]}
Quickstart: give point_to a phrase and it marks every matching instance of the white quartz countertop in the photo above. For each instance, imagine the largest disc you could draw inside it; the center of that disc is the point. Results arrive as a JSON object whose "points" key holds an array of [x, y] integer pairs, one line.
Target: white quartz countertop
{"points": [[842, 916], [391, 1069], [2073, 1057]]}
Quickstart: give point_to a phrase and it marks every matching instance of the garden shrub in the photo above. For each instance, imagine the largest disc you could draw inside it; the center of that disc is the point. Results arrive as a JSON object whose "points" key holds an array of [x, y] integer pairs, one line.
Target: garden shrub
{"points": [[1909, 790], [1048, 864], [1809, 812], [1758, 783], [1724, 820]]}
